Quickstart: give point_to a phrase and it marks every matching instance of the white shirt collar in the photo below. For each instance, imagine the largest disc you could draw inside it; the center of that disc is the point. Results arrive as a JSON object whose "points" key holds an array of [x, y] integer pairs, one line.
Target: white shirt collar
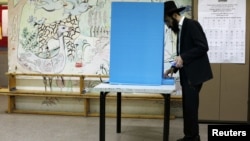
{"points": [[181, 21]]}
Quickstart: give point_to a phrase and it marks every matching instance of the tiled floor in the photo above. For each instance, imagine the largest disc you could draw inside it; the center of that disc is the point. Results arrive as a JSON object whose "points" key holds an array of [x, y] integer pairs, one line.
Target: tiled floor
{"points": [[27, 127]]}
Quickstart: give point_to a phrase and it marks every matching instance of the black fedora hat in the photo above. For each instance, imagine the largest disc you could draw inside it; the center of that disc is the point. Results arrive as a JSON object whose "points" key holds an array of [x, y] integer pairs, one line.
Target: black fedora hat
{"points": [[170, 8]]}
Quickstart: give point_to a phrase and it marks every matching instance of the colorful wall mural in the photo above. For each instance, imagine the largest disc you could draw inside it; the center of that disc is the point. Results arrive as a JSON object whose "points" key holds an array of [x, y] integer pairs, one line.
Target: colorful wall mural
{"points": [[65, 36]]}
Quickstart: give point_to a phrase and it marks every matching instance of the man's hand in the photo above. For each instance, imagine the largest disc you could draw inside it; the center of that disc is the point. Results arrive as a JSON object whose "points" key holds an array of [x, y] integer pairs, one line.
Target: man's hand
{"points": [[179, 62], [169, 71]]}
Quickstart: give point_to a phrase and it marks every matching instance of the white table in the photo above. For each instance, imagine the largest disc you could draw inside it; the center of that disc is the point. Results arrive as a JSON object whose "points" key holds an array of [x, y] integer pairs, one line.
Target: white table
{"points": [[105, 88]]}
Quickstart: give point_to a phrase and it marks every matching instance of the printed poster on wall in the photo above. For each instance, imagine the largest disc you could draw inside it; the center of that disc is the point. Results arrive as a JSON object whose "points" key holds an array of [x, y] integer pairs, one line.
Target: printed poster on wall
{"points": [[224, 23]]}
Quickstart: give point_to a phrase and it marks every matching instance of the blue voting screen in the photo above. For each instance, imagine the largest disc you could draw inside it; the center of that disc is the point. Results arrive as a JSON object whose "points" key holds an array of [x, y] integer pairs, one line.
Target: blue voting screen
{"points": [[137, 43]]}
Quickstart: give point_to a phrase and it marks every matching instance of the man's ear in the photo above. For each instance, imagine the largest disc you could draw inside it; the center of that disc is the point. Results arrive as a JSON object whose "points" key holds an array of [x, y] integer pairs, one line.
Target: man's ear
{"points": [[175, 15]]}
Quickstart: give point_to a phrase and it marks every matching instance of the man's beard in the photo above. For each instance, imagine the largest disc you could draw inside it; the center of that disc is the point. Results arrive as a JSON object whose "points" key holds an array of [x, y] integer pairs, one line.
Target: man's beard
{"points": [[175, 27]]}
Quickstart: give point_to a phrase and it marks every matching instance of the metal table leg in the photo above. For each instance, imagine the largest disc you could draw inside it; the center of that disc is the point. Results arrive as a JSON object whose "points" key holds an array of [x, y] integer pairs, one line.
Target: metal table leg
{"points": [[118, 113], [102, 115], [166, 117]]}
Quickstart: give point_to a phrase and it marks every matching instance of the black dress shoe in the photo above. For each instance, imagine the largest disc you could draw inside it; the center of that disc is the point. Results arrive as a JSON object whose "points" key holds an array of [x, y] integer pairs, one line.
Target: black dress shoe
{"points": [[196, 138]]}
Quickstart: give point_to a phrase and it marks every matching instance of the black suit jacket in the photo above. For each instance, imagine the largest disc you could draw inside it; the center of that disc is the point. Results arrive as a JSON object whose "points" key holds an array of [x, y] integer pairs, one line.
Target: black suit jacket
{"points": [[193, 51]]}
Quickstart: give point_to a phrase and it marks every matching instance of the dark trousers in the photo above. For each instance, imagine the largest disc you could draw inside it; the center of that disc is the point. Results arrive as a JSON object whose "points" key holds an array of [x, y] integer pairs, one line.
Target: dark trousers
{"points": [[190, 105]]}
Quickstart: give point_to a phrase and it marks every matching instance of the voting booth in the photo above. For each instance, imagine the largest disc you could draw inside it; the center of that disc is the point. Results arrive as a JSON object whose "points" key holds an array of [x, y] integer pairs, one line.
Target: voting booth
{"points": [[137, 43]]}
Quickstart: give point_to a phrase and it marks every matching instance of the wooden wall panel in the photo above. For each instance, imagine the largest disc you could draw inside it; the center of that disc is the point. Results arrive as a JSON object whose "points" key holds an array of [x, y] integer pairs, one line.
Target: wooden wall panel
{"points": [[210, 96], [235, 86], [234, 92], [226, 96]]}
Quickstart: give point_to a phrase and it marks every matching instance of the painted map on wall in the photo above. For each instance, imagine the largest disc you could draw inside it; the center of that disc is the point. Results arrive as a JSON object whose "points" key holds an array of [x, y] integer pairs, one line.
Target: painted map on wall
{"points": [[67, 36]]}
